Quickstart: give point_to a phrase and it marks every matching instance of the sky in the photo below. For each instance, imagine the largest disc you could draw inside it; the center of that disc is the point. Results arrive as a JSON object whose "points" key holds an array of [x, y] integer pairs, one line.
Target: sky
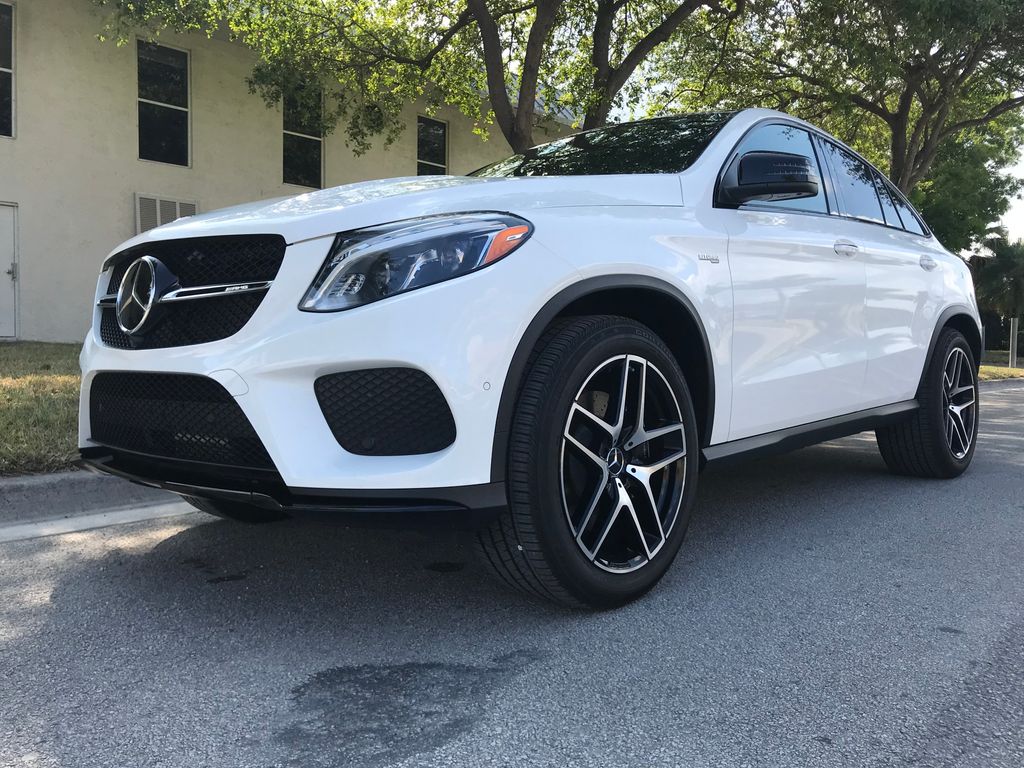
{"points": [[1014, 218]]}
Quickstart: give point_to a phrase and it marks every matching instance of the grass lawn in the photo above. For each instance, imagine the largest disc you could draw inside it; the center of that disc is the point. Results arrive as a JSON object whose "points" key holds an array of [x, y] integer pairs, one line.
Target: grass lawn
{"points": [[994, 366], [39, 404], [38, 407]]}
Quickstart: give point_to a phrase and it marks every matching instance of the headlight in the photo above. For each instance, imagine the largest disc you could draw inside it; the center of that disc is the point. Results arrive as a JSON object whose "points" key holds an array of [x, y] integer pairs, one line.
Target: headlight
{"points": [[371, 264]]}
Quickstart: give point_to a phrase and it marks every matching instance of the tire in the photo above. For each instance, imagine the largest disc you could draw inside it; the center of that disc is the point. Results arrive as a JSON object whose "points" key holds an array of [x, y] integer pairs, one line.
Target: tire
{"points": [[236, 510], [569, 534], [931, 441]]}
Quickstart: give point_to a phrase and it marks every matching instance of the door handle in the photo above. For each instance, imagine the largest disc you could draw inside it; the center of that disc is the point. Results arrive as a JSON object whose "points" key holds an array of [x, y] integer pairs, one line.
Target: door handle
{"points": [[928, 263], [846, 248]]}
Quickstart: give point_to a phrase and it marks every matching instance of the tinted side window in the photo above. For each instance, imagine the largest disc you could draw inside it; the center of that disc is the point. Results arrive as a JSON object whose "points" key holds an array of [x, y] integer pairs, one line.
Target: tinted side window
{"points": [[911, 222], [795, 141], [855, 183], [892, 218]]}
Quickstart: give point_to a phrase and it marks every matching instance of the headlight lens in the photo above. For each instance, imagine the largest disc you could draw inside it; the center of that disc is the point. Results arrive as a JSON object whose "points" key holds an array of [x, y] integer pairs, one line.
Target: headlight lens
{"points": [[371, 264]]}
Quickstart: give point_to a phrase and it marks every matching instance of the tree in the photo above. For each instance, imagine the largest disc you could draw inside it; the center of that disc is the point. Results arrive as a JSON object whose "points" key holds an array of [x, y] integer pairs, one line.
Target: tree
{"points": [[900, 78], [968, 188], [528, 57], [1000, 285]]}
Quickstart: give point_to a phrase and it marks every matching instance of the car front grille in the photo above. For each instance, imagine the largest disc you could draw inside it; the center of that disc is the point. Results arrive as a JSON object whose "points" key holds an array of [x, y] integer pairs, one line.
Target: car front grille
{"points": [[173, 416], [198, 262], [386, 411]]}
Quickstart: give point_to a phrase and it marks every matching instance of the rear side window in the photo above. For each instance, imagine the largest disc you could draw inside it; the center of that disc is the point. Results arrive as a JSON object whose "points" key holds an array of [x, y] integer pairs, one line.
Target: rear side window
{"points": [[855, 183], [661, 145], [795, 141], [892, 218], [911, 222]]}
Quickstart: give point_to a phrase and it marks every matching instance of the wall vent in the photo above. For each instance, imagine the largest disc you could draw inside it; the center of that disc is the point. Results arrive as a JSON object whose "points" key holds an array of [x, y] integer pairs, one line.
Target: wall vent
{"points": [[153, 211]]}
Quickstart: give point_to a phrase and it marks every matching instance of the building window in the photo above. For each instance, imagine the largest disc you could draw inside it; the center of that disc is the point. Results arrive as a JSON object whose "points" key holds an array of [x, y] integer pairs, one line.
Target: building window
{"points": [[6, 70], [163, 104], [431, 147], [303, 139], [151, 211]]}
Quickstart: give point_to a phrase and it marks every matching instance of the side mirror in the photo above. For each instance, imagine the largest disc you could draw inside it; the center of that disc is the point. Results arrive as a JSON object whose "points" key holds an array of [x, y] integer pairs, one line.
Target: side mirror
{"points": [[768, 176]]}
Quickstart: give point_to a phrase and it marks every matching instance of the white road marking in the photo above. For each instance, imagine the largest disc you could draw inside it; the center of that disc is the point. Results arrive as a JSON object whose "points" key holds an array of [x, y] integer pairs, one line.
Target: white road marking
{"points": [[55, 527]]}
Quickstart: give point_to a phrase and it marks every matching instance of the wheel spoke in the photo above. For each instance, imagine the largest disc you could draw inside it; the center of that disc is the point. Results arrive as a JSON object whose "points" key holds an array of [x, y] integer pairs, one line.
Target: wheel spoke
{"points": [[594, 501], [649, 470], [592, 554], [957, 391], [592, 417], [586, 451], [642, 436], [627, 503], [961, 430], [623, 394], [643, 476]]}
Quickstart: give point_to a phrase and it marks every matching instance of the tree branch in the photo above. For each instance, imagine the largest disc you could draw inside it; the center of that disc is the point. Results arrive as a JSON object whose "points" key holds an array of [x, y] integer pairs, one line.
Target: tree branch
{"points": [[494, 64]]}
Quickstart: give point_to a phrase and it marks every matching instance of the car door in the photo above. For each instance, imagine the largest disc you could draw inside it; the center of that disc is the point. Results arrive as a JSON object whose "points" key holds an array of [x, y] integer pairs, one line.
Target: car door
{"points": [[903, 283], [904, 296], [798, 294]]}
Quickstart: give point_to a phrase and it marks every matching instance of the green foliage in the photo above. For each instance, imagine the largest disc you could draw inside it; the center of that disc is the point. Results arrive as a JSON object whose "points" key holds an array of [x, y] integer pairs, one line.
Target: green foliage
{"points": [[510, 62], [897, 78], [967, 189]]}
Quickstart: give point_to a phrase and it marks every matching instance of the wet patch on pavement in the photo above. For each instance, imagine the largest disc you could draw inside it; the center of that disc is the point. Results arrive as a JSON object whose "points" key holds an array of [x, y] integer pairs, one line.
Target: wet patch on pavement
{"points": [[380, 714]]}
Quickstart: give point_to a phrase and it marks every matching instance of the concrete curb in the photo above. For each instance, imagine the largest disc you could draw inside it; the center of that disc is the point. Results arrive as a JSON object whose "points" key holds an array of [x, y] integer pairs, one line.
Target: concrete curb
{"points": [[31, 498]]}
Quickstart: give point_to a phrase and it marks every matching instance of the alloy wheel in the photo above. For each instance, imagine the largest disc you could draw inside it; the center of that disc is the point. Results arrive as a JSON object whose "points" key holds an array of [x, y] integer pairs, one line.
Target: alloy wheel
{"points": [[959, 395], [623, 464]]}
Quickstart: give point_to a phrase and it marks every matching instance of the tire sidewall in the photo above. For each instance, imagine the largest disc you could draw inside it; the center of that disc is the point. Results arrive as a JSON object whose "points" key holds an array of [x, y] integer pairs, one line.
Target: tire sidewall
{"points": [[588, 582]]}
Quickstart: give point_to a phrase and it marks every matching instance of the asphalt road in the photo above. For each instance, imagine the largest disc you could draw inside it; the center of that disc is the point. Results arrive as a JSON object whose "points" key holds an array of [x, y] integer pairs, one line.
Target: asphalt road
{"points": [[822, 613]]}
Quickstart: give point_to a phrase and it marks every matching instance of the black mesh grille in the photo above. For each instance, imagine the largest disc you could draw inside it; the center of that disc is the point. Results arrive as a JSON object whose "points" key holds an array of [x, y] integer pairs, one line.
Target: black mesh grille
{"points": [[196, 262], [209, 260], [386, 412], [176, 416], [190, 322]]}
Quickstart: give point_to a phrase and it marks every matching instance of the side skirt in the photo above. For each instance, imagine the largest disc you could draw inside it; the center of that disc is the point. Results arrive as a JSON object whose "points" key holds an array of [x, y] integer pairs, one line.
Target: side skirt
{"points": [[791, 438]]}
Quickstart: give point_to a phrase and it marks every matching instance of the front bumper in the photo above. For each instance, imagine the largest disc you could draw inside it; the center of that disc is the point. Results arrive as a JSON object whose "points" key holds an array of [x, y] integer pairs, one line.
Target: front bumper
{"points": [[464, 506], [462, 334]]}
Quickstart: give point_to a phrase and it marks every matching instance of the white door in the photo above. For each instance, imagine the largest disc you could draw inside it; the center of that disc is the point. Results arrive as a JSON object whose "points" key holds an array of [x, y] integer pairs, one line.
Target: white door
{"points": [[799, 336], [903, 281], [905, 285], [8, 271]]}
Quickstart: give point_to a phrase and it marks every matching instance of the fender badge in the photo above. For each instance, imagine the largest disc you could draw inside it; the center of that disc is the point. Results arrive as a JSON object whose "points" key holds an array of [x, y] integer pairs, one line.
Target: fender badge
{"points": [[708, 257]]}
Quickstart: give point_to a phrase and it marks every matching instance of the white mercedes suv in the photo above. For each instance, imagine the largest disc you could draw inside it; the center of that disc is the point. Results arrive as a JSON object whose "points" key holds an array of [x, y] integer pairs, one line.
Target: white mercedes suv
{"points": [[552, 347]]}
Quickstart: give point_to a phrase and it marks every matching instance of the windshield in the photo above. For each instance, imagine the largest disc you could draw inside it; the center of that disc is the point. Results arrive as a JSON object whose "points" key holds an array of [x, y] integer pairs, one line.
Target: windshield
{"points": [[661, 145]]}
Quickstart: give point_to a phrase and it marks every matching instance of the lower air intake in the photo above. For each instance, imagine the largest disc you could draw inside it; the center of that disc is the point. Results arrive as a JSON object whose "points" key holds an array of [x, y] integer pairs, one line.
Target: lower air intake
{"points": [[386, 412], [173, 416]]}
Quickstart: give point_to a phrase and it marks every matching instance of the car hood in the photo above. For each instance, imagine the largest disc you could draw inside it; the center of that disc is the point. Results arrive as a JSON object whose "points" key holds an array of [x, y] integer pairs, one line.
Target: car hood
{"points": [[327, 211]]}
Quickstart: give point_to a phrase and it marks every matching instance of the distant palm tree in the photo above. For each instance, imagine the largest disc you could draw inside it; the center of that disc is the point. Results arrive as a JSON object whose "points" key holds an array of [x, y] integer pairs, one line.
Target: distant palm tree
{"points": [[1000, 284]]}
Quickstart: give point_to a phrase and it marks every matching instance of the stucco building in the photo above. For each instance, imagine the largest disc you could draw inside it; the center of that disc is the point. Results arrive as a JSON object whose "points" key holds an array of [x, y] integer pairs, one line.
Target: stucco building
{"points": [[100, 141]]}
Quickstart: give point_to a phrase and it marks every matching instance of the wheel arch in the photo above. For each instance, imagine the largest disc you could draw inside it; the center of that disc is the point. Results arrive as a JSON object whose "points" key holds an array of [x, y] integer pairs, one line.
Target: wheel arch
{"points": [[662, 307], [958, 316]]}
